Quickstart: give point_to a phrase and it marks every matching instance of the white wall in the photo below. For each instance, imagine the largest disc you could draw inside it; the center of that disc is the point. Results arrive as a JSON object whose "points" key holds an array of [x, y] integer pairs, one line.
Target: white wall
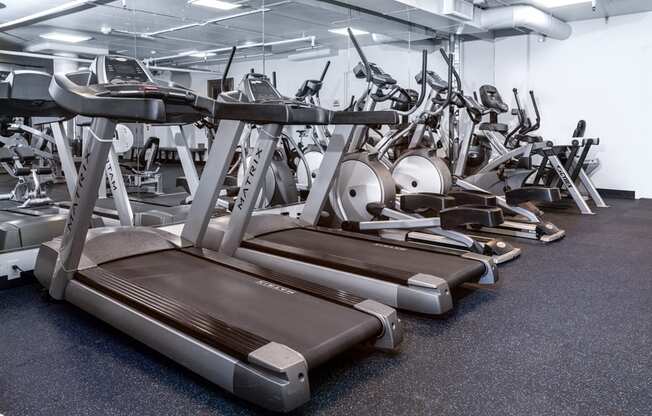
{"points": [[478, 66], [601, 74]]}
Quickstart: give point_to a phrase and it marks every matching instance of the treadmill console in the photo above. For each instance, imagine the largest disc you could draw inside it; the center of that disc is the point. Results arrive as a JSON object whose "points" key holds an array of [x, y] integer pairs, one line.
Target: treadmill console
{"points": [[120, 69], [259, 89]]}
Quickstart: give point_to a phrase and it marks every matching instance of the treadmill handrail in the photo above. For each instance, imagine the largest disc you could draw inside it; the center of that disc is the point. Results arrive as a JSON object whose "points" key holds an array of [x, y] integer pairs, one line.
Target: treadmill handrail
{"points": [[83, 101]]}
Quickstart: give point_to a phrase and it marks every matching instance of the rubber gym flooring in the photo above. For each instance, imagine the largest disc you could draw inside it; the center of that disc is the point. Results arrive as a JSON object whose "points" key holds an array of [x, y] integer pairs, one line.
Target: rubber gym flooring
{"points": [[567, 331]]}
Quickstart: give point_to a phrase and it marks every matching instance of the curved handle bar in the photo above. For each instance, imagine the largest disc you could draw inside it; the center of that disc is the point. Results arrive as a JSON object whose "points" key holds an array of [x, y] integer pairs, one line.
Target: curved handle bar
{"points": [[536, 111], [397, 89], [451, 67], [521, 121], [323, 74], [363, 57], [228, 66], [424, 69], [384, 97]]}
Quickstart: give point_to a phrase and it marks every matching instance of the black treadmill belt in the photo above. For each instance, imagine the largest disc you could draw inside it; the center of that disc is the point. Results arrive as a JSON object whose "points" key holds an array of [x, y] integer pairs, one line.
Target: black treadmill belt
{"points": [[316, 328], [136, 207], [381, 260], [164, 200], [199, 325]]}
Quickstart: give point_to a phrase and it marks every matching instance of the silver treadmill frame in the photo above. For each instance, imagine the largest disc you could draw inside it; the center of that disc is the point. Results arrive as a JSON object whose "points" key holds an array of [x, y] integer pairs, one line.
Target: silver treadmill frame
{"points": [[278, 379], [424, 293]]}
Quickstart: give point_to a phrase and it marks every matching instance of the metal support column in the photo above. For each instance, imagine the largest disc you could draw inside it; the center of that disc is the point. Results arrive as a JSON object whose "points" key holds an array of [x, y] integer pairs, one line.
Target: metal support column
{"points": [[75, 230], [212, 180], [251, 187]]}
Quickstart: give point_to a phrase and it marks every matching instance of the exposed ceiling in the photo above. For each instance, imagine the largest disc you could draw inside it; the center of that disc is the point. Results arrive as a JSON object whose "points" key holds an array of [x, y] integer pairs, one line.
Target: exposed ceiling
{"points": [[285, 26], [282, 20]]}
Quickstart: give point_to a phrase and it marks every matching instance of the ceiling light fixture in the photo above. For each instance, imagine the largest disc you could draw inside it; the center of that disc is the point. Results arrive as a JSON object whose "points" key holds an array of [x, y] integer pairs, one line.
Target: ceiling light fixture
{"points": [[551, 4], [65, 37], [202, 54], [66, 8], [215, 4], [311, 39], [345, 32]]}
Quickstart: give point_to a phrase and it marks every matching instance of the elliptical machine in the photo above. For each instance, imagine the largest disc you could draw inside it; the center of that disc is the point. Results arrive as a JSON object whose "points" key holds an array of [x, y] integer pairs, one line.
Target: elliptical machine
{"points": [[364, 193], [424, 171], [563, 164], [307, 158]]}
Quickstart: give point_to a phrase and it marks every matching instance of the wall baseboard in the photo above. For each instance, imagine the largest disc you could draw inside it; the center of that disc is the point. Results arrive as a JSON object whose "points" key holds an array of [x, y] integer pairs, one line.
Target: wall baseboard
{"points": [[617, 193]]}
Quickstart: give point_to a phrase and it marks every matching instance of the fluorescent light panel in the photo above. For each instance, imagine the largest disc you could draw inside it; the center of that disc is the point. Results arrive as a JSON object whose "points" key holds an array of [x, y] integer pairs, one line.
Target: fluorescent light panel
{"points": [[551, 4], [345, 32], [44, 13], [202, 54], [215, 4], [65, 37], [310, 39]]}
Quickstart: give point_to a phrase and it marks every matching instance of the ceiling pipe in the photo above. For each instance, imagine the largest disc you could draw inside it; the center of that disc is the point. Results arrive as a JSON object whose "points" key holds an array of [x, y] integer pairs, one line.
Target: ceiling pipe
{"points": [[528, 17], [311, 39], [192, 25], [85, 60]]}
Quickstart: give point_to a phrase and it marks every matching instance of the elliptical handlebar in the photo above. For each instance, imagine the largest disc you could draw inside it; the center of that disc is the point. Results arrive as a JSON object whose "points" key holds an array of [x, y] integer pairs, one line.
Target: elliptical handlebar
{"points": [[536, 112], [521, 119], [395, 90], [451, 69], [400, 90], [361, 54], [323, 74], [424, 69], [521, 122], [228, 66]]}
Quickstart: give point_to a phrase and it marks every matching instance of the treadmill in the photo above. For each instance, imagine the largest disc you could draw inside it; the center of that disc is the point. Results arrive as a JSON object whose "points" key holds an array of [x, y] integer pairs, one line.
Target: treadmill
{"points": [[254, 332], [24, 94], [404, 275], [141, 208]]}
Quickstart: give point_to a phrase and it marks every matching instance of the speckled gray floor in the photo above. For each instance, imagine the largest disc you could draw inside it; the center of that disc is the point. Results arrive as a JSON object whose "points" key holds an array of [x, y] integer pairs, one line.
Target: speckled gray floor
{"points": [[567, 331]]}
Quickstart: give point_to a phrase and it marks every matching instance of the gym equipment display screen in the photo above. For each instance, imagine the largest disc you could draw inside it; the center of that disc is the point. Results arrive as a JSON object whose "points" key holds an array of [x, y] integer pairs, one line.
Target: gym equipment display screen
{"points": [[263, 91], [124, 69]]}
